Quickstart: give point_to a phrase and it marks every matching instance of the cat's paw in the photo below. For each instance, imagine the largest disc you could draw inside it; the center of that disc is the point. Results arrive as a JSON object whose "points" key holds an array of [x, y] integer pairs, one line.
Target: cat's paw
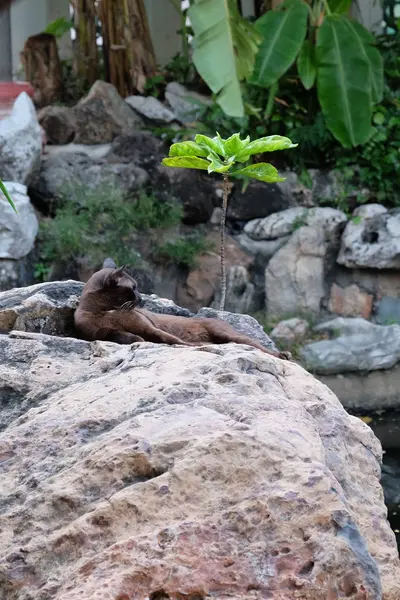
{"points": [[285, 355]]}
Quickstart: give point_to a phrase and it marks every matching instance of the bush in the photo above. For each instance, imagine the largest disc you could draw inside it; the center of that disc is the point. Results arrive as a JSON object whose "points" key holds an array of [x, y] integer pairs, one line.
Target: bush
{"points": [[95, 223]]}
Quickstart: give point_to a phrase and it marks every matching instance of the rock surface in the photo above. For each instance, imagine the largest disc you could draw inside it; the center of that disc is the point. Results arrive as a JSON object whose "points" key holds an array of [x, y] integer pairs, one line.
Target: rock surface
{"points": [[103, 115], [239, 291], [350, 301], [62, 174], [155, 472], [359, 346], [203, 281], [295, 275], [285, 222], [388, 310], [186, 105], [59, 123], [290, 330], [372, 242], [151, 108], [20, 141], [17, 231]]}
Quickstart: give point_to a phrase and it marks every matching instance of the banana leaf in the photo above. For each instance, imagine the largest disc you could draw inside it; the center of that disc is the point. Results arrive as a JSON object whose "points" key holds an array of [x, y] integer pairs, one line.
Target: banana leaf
{"points": [[224, 48], [343, 82], [283, 34]]}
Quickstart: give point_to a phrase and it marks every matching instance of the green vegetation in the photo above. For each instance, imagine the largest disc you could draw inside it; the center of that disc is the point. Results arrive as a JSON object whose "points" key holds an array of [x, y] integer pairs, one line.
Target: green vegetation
{"points": [[184, 251], [4, 190], [95, 223], [218, 155]]}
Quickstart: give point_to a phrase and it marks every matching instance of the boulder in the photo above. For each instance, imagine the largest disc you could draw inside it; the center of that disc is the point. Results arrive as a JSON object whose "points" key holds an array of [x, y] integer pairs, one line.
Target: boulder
{"points": [[17, 231], [264, 249], [283, 223], [350, 301], [151, 108], [262, 199], [325, 186], [63, 173], [290, 330], [58, 123], [203, 281], [140, 148], [295, 275], [372, 240], [148, 471], [20, 142], [195, 191], [239, 291], [103, 115], [359, 345], [186, 105], [388, 310]]}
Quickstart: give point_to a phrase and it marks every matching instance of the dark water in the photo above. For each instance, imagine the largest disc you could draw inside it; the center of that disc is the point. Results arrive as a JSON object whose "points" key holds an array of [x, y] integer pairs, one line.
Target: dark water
{"points": [[386, 426]]}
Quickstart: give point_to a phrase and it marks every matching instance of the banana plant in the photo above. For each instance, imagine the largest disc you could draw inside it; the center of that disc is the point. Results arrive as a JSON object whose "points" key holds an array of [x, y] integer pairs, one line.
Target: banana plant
{"points": [[7, 195], [330, 50], [229, 157]]}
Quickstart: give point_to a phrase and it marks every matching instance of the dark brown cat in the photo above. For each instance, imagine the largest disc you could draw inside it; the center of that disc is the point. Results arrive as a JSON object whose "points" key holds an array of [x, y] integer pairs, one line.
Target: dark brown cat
{"points": [[108, 310]]}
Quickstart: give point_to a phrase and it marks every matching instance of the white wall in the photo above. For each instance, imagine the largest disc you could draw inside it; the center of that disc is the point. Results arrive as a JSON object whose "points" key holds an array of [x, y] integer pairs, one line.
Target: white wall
{"points": [[29, 18]]}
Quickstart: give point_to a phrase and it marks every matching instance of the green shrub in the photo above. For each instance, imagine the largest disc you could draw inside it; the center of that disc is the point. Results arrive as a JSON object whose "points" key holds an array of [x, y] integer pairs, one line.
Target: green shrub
{"points": [[95, 223], [184, 251]]}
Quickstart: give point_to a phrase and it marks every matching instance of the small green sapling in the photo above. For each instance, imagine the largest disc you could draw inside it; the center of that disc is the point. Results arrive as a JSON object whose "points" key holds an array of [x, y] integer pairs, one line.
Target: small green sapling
{"points": [[7, 195], [217, 155]]}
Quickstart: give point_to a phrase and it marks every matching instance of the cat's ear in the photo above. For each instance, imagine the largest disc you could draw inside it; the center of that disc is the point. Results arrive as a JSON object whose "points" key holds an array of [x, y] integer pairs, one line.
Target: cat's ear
{"points": [[112, 279]]}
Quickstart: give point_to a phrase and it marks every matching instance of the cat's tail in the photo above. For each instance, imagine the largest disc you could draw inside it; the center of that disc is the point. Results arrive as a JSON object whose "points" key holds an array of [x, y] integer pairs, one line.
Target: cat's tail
{"points": [[109, 264]]}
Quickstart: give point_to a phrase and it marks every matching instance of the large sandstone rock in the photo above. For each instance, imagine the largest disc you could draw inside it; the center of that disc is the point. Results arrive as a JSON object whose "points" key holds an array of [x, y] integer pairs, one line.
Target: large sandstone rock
{"points": [[295, 275], [350, 301], [103, 115], [359, 345], [17, 231], [372, 240], [164, 472], [20, 141]]}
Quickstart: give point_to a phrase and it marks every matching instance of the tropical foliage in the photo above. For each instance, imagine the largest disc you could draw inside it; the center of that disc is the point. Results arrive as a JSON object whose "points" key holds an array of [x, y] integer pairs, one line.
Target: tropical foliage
{"points": [[4, 190]]}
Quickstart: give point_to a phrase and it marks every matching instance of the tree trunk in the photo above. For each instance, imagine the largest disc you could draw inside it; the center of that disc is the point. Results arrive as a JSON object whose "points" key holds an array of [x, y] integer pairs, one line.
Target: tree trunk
{"points": [[43, 68], [86, 56], [128, 49]]}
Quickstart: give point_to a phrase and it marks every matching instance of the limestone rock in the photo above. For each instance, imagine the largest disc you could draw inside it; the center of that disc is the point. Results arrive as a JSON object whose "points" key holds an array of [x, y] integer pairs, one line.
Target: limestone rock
{"points": [[372, 243], [350, 301], [264, 249], [290, 330], [286, 221], [324, 185], [17, 231], [59, 171], [150, 471], [185, 104], [239, 291], [359, 346], [59, 124], [203, 281], [151, 108], [295, 275], [388, 310], [103, 115], [20, 142], [139, 148]]}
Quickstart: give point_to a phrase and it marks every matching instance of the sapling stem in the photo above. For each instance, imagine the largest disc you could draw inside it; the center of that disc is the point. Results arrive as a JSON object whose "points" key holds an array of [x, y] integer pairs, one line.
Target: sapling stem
{"points": [[222, 232]]}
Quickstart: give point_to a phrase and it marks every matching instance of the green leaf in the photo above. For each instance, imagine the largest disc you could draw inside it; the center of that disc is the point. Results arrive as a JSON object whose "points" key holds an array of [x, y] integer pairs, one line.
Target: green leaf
{"points": [[343, 82], [372, 56], [186, 162], [339, 6], [283, 33], [217, 166], [59, 27], [7, 195], [233, 145], [215, 144], [265, 144], [261, 171], [224, 47], [306, 66], [187, 149]]}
